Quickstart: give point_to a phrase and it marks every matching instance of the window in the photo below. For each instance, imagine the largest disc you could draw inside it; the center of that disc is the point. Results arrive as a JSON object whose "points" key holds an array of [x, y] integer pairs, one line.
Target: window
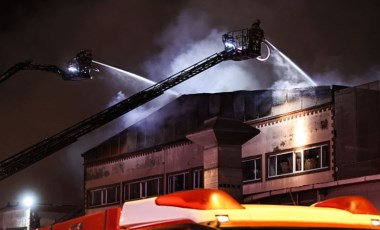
{"points": [[143, 188], [198, 178], [251, 169], [96, 198], [179, 182], [103, 196], [280, 164], [284, 163], [185, 180], [112, 195], [311, 158], [303, 160]]}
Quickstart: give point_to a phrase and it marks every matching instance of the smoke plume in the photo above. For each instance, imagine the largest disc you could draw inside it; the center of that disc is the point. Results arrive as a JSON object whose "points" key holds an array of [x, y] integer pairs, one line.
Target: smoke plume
{"points": [[192, 38]]}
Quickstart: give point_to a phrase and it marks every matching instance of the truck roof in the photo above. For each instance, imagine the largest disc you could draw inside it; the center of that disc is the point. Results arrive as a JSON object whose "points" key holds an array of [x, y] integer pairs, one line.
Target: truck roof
{"points": [[215, 208]]}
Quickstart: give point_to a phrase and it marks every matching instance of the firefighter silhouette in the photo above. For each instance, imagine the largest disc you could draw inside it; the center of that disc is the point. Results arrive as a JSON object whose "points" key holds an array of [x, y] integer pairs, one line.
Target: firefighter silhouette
{"points": [[256, 36]]}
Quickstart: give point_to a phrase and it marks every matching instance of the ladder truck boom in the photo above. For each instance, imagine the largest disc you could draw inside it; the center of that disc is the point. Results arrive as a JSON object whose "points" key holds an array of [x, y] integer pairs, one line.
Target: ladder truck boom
{"points": [[239, 45], [77, 69]]}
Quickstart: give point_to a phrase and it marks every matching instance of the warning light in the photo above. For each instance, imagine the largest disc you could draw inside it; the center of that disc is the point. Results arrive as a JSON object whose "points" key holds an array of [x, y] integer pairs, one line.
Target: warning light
{"points": [[222, 218], [375, 222], [204, 199], [353, 204]]}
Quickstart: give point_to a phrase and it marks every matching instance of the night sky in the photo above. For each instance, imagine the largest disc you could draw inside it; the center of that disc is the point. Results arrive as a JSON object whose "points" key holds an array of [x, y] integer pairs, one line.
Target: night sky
{"points": [[335, 42]]}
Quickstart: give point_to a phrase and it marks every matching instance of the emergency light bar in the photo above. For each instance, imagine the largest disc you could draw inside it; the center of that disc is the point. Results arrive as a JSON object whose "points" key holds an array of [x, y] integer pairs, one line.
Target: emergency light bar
{"points": [[353, 204], [215, 209], [204, 199]]}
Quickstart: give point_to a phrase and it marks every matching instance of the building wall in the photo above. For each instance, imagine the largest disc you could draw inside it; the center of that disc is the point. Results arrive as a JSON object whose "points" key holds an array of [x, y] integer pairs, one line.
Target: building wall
{"points": [[145, 150], [175, 120], [289, 133], [171, 159], [358, 131], [16, 218], [362, 187]]}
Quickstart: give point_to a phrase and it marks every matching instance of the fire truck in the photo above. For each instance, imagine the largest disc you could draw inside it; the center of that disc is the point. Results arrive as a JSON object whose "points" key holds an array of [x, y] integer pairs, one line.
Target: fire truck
{"points": [[214, 209]]}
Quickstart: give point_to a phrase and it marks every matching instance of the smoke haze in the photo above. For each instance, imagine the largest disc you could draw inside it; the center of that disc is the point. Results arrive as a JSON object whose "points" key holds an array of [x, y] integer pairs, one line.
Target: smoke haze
{"points": [[184, 46]]}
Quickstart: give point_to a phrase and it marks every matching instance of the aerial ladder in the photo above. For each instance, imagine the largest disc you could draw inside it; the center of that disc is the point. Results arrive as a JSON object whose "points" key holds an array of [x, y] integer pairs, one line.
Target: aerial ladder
{"points": [[239, 45], [79, 68]]}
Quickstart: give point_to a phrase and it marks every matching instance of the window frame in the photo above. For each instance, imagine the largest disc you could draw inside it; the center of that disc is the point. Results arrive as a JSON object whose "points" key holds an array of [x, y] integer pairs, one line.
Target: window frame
{"points": [[104, 190], [299, 153], [187, 182], [256, 170], [197, 178], [143, 188], [194, 179]]}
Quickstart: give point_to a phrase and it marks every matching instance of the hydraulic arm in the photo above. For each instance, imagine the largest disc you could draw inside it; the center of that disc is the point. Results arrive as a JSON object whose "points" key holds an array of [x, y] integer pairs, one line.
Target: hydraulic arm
{"points": [[77, 69], [239, 45]]}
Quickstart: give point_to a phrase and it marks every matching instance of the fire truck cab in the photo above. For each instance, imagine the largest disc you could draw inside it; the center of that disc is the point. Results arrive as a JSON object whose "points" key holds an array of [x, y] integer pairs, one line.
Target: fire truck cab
{"points": [[215, 209]]}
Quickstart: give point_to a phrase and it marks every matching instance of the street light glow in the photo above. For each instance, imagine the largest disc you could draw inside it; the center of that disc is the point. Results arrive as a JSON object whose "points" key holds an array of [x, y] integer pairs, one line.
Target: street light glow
{"points": [[28, 200]]}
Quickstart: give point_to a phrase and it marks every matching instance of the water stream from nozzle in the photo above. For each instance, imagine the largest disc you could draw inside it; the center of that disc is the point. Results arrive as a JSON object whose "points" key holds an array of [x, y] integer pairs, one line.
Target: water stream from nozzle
{"points": [[127, 73], [135, 76], [303, 74], [142, 111]]}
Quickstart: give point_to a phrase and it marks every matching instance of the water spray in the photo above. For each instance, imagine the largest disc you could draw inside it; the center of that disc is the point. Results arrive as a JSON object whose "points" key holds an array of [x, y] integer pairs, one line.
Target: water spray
{"points": [[127, 73], [268, 51], [135, 76], [291, 63]]}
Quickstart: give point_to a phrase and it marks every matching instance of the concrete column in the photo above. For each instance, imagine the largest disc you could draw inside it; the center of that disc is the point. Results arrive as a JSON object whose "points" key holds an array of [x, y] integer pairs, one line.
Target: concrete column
{"points": [[221, 139]]}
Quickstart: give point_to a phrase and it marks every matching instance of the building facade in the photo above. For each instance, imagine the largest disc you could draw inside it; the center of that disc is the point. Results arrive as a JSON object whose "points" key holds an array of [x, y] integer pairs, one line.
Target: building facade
{"points": [[294, 146]]}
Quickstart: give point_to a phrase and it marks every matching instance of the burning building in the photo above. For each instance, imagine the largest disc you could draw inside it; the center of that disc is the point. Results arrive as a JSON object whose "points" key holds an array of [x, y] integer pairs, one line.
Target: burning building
{"points": [[296, 146]]}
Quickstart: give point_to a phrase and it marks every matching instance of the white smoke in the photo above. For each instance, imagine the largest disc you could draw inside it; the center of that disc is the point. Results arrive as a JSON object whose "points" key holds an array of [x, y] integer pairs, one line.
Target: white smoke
{"points": [[289, 77], [119, 97], [191, 38], [335, 77], [140, 112]]}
